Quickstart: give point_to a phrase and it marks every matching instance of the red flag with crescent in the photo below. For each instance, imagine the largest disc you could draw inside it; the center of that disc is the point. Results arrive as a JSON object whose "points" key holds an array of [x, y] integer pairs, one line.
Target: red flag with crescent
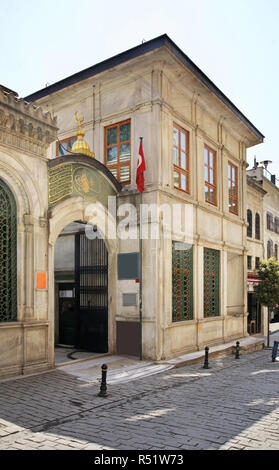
{"points": [[140, 169]]}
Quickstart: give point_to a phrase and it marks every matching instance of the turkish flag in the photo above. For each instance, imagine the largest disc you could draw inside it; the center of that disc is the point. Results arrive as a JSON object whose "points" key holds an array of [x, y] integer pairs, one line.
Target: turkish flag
{"points": [[140, 169]]}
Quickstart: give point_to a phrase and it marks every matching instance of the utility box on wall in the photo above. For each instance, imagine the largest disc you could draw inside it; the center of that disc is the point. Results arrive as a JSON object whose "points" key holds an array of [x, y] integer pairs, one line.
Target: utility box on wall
{"points": [[128, 338], [128, 266]]}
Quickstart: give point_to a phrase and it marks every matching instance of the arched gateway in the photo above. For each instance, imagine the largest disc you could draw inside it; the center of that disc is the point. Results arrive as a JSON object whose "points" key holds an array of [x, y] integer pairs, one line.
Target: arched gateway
{"points": [[82, 256], [8, 254]]}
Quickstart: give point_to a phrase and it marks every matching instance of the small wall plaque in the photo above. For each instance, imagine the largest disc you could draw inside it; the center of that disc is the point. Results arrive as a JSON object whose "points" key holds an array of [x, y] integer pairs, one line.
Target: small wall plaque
{"points": [[41, 280], [130, 300]]}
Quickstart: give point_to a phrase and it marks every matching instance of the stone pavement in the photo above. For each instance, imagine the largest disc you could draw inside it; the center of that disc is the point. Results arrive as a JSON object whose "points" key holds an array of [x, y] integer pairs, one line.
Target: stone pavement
{"points": [[124, 369], [232, 405]]}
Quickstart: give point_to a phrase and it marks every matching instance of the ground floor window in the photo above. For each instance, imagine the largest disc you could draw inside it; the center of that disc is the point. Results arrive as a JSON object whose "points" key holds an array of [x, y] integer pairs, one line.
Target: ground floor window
{"points": [[211, 282], [182, 281], [8, 256]]}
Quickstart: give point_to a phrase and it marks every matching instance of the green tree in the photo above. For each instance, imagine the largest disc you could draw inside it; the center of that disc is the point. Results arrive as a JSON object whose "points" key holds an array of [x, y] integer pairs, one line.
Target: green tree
{"points": [[267, 291]]}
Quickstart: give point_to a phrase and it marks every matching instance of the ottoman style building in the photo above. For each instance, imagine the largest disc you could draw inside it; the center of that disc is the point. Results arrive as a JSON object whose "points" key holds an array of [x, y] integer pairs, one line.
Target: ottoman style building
{"points": [[85, 277]]}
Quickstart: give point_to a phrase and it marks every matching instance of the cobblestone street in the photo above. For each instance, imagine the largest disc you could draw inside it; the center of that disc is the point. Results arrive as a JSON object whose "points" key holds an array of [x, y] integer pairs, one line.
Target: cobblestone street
{"points": [[232, 405]]}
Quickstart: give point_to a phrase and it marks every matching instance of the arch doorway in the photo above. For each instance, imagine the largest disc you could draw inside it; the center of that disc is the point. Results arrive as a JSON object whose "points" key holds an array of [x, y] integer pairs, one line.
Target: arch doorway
{"points": [[8, 255], [81, 289]]}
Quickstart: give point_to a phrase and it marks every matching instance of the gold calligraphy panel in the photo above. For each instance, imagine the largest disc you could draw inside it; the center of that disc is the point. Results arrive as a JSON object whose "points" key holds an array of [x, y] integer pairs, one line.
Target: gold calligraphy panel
{"points": [[60, 183], [78, 180]]}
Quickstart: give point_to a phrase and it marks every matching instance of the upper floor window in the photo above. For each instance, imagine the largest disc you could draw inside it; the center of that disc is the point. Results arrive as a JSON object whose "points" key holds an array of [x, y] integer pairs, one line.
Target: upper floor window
{"points": [[118, 150], [210, 188], [181, 171], [233, 188], [64, 146], [257, 227], [269, 249], [249, 262], [250, 223], [269, 221]]}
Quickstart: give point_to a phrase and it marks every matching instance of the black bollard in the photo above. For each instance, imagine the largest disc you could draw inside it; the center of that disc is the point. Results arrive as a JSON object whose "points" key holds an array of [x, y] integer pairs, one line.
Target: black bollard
{"points": [[206, 366], [103, 389], [237, 350]]}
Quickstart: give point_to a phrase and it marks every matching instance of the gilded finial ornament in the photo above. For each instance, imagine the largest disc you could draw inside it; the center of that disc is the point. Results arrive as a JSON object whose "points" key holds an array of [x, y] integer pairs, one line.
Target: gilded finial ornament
{"points": [[79, 121], [80, 145]]}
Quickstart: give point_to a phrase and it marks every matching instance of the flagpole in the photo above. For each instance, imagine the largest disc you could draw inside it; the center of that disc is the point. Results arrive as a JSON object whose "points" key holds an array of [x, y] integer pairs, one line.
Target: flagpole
{"points": [[140, 273]]}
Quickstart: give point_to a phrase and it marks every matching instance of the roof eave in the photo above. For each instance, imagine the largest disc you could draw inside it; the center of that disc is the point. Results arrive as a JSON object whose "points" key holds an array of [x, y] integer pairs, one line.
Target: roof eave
{"points": [[137, 51]]}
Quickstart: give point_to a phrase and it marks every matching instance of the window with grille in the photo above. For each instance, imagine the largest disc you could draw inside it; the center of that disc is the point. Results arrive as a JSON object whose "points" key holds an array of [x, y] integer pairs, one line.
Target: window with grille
{"points": [[233, 188], [118, 150], [181, 170], [182, 282], [210, 188], [64, 146], [211, 282], [8, 255]]}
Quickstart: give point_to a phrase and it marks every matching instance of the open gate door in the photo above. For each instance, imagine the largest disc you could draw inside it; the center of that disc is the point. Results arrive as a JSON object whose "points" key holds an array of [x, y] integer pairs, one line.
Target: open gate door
{"points": [[91, 293]]}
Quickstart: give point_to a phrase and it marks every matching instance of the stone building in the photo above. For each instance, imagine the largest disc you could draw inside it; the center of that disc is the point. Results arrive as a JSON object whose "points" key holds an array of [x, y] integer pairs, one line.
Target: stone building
{"points": [[25, 331], [193, 273], [255, 250], [262, 231]]}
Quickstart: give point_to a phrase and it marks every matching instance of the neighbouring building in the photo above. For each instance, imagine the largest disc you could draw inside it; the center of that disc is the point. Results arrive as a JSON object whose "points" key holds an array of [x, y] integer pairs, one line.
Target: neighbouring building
{"points": [[255, 251], [262, 232], [86, 289]]}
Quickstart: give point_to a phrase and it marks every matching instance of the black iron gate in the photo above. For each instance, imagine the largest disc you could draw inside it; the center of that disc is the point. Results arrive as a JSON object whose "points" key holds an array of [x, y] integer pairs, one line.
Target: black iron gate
{"points": [[91, 279]]}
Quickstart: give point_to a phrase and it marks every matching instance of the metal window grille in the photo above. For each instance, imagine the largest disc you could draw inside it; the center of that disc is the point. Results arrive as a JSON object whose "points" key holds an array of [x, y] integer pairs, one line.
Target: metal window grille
{"points": [[211, 282], [182, 282], [8, 256]]}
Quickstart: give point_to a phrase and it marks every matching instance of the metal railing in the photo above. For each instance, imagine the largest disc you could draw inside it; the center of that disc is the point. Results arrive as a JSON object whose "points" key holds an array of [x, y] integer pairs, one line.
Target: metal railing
{"points": [[271, 178]]}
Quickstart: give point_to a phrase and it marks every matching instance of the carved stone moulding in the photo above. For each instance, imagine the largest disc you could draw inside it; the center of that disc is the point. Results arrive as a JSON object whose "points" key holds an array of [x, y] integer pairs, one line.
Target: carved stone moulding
{"points": [[24, 125]]}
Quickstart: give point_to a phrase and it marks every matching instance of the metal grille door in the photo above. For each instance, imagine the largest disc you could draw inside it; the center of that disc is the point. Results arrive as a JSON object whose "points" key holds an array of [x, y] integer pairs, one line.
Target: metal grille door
{"points": [[92, 293], [8, 258]]}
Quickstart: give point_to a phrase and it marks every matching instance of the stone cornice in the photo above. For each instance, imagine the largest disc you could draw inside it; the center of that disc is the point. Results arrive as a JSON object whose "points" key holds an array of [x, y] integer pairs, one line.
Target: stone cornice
{"points": [[25, 126]]}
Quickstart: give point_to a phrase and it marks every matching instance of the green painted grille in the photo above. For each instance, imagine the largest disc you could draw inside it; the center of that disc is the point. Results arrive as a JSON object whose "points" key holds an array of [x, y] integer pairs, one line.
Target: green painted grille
{"points": [[211, 282], [182, 282], [8, 258]]}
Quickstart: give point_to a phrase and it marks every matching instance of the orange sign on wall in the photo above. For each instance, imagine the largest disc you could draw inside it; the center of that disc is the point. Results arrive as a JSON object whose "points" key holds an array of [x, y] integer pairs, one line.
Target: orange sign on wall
{"points": [[41, 280]]}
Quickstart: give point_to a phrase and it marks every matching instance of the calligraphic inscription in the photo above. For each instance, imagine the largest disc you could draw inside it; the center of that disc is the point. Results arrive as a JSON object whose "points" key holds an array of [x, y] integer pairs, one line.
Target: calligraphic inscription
{"points": [[86, 182], [78, 180], [60, 183]]}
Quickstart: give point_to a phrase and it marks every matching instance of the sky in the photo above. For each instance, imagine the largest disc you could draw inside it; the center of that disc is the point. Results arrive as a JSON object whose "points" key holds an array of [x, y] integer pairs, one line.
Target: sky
{"points": [[234, 42]]}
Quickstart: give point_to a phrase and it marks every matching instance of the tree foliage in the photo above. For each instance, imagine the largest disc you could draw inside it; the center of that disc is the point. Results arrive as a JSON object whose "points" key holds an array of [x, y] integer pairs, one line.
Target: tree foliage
{"points": [[267, 291]]}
